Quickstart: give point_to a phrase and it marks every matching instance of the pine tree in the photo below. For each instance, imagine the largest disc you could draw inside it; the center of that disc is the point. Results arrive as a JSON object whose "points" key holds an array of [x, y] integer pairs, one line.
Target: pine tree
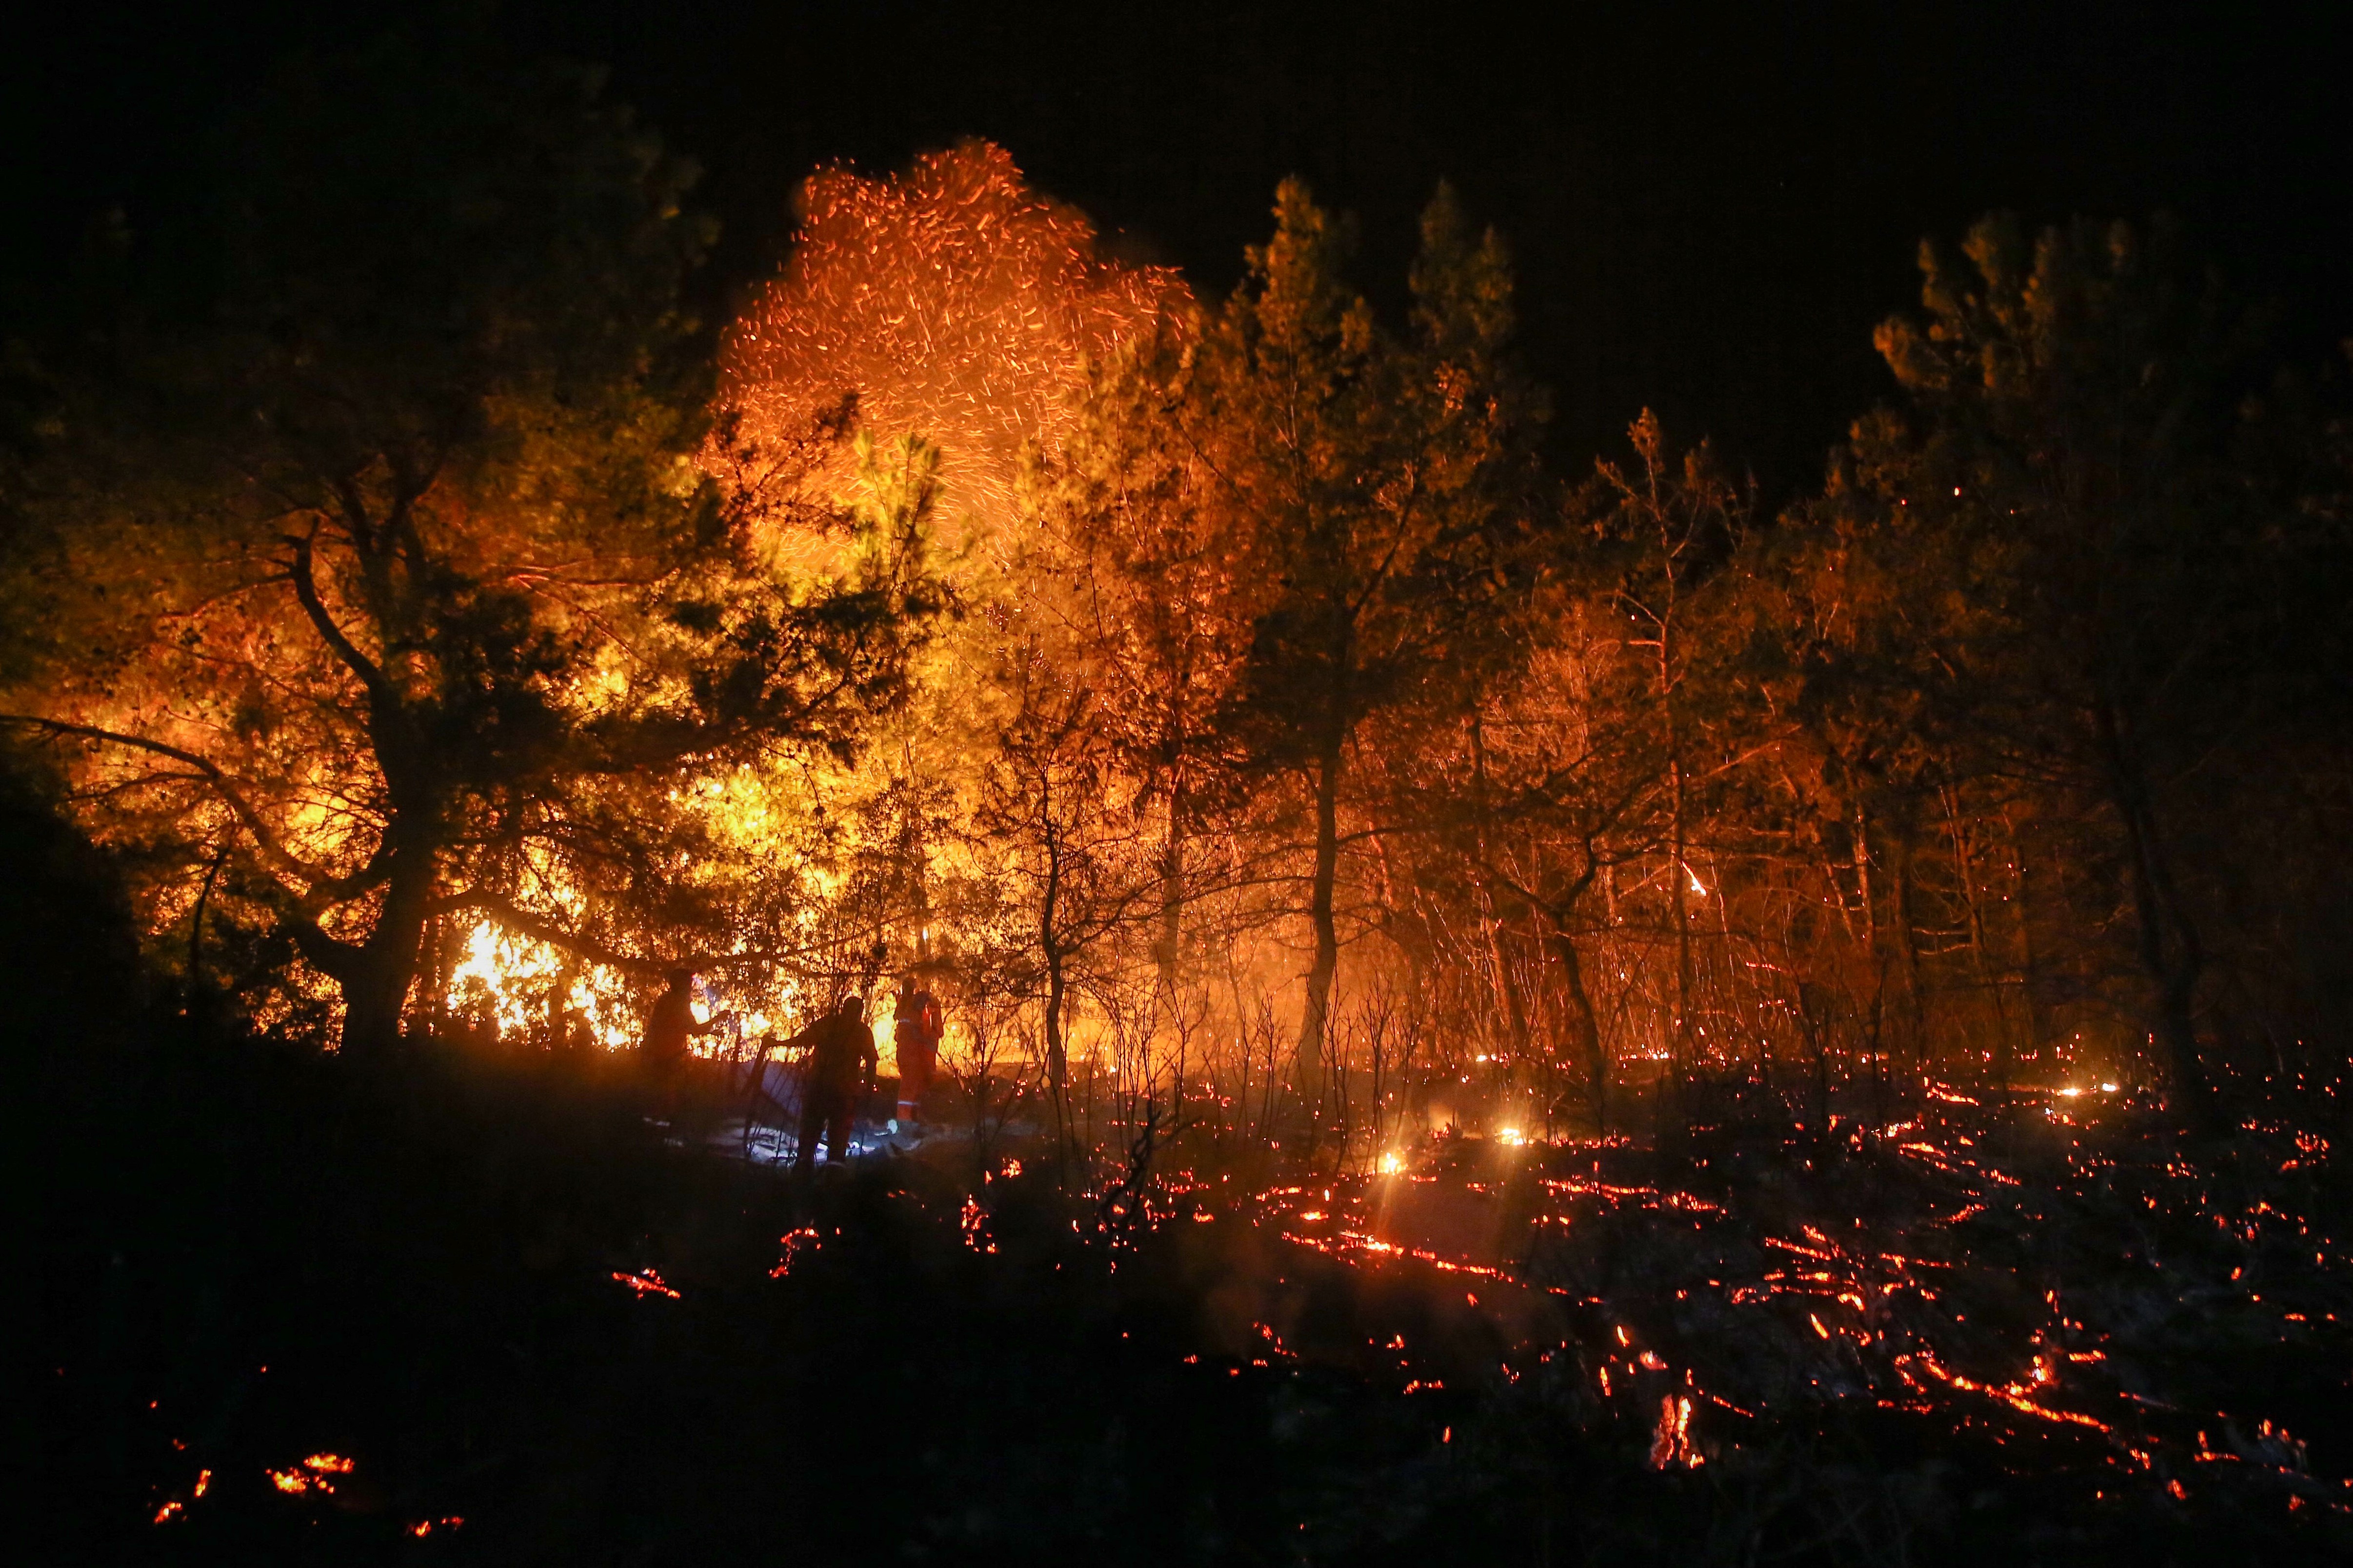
{"points": [[2070, 484], [1366, 493]]}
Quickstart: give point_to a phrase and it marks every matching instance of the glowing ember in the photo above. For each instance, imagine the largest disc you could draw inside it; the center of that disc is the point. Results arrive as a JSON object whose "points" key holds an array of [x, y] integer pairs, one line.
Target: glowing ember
{"points": [[795, 1243], [973, 1223], [178, 1508], [1915, 1302], [315, 1473]]}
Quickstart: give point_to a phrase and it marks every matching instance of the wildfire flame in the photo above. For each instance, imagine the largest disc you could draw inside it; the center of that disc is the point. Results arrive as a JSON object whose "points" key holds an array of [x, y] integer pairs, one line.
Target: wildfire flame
{"points": [[511, 977], [648, 1283], [953, 302], [1672, 1444], [315, 1473]]}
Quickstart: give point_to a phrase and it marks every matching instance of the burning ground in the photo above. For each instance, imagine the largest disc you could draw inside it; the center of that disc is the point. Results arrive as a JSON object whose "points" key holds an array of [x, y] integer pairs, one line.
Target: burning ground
{"points": [[500, 1318], [2065, 1312]]}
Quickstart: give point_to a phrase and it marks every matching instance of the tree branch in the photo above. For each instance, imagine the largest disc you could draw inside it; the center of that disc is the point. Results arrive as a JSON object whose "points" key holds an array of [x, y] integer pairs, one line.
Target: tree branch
{"points": [[306, 590], [273, 849]]}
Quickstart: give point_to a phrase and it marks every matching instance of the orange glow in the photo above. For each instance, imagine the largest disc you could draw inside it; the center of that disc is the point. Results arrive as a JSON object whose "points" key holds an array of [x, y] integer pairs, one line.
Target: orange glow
{"points": [[2019, 1397], [314, 1473], [954, 304]]}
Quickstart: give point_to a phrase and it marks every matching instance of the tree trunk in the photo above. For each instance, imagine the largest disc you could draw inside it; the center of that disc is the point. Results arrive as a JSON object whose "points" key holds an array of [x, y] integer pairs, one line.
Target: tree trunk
{"points": [[2029, 963], [1989, 978], [1872, 1038], [1908, 949], [376, 980], [1168, 947], [1058, 1065], [2171, 948], [1812, 1025], [193, 993], [1507, 987], [1314, 1023], [1672, 1112], [1586, 1026], [1172, 911], [2175, 966], [1672, 1091], [1507, 984]]}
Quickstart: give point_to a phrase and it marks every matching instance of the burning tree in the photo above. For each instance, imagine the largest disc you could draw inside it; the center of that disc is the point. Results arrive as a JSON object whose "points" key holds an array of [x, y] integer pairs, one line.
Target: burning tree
{"points": [[455, 596], [948, 314], [1261, 527], [1134, 590], [951, 302], [385, 587], [1365, 492]]}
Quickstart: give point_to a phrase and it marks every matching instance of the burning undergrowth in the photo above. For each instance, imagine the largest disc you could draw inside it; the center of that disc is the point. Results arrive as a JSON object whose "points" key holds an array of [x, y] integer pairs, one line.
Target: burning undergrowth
{"points": [[504, 1318], [2035, 1325]]}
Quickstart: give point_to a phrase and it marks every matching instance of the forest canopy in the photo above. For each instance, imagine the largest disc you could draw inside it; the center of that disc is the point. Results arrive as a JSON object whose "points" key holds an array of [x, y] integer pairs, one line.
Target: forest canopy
{"points": [[382, 588], [438, 622]]}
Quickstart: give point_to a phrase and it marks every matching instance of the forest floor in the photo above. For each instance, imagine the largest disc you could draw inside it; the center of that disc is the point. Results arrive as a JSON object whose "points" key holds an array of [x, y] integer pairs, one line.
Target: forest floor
{"points": [[486, 1311]]}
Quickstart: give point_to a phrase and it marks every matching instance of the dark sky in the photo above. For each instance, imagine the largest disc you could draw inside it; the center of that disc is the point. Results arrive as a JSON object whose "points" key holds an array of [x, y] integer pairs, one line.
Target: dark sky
{"points": [[1711, 205]]}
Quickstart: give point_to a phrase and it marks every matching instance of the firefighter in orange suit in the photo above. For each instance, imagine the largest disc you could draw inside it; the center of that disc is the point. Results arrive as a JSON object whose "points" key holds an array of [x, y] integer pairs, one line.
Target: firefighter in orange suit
{"points": [[671, 1024], [915, 1035]]}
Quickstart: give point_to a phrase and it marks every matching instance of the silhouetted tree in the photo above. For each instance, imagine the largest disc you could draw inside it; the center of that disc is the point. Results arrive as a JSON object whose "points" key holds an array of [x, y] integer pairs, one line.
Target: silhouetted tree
{"points": [[2087, 554], [391, 562]]}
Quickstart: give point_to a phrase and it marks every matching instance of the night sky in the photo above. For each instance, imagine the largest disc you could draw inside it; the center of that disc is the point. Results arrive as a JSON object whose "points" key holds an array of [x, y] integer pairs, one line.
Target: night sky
{"points": [[1711, 206]]}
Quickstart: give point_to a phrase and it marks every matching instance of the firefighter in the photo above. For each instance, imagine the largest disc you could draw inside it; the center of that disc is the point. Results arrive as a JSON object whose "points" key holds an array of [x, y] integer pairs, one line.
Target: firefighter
{"points": [[915, 1035], [842, 1063], [671, 1024]]}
